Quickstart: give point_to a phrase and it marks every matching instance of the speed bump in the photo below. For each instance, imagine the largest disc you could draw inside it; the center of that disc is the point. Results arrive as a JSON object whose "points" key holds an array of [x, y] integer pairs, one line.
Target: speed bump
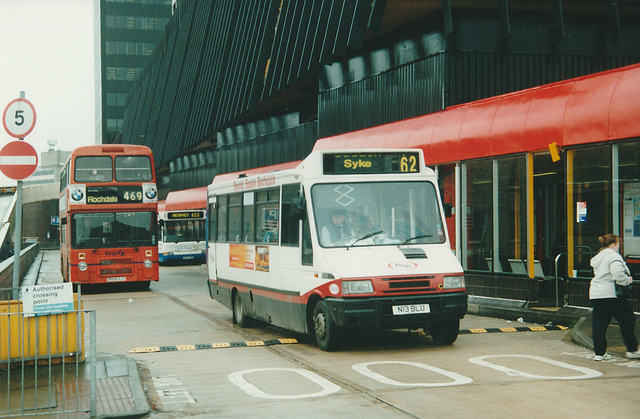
{"points": [[505, 330], [512, 329], [246, 344]]}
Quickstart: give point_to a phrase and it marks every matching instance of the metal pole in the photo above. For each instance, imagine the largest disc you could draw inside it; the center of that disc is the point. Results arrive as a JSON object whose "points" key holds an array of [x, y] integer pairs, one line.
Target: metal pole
{"points": [[556, 264], [17, 242], [93, 402], [17, 234]]}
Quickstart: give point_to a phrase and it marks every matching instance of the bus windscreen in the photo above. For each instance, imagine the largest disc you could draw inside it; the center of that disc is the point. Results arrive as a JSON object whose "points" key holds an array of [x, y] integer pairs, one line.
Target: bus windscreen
{"points": [[113, 229]]}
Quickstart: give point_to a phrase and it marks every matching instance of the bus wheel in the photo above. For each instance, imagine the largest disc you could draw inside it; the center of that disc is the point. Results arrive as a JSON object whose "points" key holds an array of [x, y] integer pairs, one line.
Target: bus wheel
{"points": [[325, 330], [445, 332], [239, 317]]}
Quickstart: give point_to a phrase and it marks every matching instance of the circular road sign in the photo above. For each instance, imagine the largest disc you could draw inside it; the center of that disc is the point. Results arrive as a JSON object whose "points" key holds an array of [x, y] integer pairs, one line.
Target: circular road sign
{"points": [[18, 160], [19, 118]]}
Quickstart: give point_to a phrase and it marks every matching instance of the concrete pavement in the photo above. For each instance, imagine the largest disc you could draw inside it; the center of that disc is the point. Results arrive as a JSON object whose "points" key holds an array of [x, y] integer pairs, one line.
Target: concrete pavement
{"points": [[119, 390]]}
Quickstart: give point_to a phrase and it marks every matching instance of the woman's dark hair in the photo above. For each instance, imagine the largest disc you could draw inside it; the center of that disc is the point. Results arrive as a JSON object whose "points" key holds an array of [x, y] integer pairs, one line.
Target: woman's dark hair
{"points": [[608, 239]]}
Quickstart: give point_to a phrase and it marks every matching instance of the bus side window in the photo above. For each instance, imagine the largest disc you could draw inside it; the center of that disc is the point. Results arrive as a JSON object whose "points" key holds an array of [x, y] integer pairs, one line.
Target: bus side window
{"points": [[235, 217], [213, 222], [267, 216], [307, 248], [289, 224], [222, 218], [248, 230]]}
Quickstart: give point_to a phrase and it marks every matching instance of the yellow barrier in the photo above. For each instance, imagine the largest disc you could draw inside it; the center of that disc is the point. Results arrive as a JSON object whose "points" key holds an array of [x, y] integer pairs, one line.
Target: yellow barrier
{"points": [[52, 336]]}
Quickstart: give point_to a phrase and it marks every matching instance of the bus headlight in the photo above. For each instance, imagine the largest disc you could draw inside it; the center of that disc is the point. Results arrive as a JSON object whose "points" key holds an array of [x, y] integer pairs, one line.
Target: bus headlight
{"points": [[453, 282], [148, 263], [83, 266], [357, 287]]}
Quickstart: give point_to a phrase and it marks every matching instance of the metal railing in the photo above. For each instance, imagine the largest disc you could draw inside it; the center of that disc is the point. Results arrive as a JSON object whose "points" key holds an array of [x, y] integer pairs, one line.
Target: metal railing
{"points": [[43, 367]]}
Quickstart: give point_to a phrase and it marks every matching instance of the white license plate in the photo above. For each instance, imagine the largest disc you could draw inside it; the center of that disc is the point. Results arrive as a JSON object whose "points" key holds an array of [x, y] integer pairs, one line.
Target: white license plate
{"points": [[117, 279], [411, 309]]}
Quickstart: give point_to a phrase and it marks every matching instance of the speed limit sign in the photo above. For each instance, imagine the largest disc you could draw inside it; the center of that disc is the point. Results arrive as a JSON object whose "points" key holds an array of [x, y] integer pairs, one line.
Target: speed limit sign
{"points": [[19, 118]]}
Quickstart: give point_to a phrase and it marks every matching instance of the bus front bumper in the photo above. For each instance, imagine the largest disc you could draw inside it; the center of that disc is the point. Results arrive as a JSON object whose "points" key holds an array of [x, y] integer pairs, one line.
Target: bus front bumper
{"points": [[379, 312]]}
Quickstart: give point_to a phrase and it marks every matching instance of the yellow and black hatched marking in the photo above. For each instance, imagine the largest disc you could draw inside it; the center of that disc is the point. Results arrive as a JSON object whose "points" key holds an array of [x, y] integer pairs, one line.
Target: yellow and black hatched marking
{"points": [[507, 330], [511, 329], [246, 344]]}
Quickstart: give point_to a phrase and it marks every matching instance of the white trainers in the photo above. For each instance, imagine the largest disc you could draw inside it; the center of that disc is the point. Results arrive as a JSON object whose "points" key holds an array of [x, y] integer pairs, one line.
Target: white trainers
{"points": [[634, 355], [604, 357]]}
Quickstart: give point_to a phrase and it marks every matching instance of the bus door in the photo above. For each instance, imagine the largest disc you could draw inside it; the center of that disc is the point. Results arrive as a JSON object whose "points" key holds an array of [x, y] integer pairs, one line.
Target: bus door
{"points": [[212, 227]]}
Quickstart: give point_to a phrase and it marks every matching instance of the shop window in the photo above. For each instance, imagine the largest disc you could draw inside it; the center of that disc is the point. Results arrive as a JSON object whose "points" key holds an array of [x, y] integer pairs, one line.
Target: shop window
{"points": [[590, 198], [478, 214]]}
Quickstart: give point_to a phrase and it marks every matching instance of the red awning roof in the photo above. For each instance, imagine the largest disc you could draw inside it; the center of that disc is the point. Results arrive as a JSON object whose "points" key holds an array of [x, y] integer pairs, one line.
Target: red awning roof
{"points": [[195, 198], [595, 108]]}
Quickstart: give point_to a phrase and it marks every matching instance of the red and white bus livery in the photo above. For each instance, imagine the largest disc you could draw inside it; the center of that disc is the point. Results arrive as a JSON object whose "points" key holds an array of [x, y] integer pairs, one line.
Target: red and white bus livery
{"points": [[108, 216], [341, 240]]}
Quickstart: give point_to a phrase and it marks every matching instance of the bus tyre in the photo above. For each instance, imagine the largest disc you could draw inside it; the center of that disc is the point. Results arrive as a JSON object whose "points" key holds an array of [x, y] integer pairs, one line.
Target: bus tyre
{"points": [[445, 332], [239, 317], [326, 332]]}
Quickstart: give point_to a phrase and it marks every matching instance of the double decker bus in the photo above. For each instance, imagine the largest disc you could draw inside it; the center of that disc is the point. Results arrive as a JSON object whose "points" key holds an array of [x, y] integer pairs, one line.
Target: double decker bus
{"points": [[182, 222], [342, 240], [108, 216]]}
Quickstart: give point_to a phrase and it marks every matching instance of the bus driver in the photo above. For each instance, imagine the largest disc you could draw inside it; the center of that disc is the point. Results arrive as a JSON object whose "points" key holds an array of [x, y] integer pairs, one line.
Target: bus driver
{"points": [[337, 230]]}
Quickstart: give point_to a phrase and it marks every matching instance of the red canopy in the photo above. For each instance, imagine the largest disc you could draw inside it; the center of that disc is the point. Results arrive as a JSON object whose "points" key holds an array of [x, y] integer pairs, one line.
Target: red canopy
{"points": [[595, 108]]}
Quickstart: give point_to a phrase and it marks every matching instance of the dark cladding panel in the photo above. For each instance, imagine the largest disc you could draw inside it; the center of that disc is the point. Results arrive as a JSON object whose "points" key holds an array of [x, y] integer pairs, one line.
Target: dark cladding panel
{"points": [[292, 38], [310, 30], [407, 91], [278, 147], [261, 49], [167, 107], [344, 26], [330, 31], [160, 92], [280, 46], [300, 40], [183, 110], [359, 23], [141, 124], [212, 65], [256, 23]]}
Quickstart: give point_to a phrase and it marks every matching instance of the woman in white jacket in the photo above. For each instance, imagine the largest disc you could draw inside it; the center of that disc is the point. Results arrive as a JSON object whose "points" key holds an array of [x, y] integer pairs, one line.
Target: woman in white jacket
{"points": [[609, 268]]}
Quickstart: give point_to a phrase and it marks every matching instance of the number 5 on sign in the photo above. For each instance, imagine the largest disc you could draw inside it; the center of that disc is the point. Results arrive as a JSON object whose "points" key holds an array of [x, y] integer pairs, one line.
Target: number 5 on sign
{"points": [[19, 118]]}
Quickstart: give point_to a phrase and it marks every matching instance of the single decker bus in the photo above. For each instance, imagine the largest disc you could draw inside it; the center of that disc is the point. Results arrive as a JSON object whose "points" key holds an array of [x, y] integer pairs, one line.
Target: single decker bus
{"points": [[182, 222], [108, 216], [340, 241]]}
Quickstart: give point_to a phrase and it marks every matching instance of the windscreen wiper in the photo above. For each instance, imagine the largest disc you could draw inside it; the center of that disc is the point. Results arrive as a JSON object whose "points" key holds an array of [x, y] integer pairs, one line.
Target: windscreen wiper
{"points": [[422, 236], [365, 237]]}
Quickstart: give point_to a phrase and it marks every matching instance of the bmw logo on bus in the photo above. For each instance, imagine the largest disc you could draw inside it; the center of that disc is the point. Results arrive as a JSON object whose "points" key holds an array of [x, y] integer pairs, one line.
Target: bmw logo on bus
{"points": [[403, 265], [151, 193], [77, 195]]}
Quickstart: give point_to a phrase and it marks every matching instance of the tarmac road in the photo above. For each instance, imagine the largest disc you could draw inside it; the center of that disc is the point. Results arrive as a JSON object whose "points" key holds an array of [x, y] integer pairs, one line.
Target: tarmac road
{"points": [[532, 373]]}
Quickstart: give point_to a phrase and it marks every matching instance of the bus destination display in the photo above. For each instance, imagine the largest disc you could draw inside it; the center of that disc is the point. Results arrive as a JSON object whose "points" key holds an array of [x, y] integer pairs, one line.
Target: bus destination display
{"points": [[371, 163], [185, 215], [114, 194]]}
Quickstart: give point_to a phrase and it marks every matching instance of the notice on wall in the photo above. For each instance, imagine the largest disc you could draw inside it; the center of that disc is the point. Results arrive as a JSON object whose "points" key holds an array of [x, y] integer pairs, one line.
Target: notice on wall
{"points": [[581, 212], [631, 219], [39, 300]]}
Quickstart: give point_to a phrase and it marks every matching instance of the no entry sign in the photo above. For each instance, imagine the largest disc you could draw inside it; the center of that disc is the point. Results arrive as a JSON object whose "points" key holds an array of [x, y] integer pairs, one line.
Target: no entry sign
{"points": [[18, 160]]}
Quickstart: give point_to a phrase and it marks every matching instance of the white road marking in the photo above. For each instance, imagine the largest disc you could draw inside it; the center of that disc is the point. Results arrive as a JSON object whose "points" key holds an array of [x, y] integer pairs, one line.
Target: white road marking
{"points": [[238, 379], [458, 379], [586, 372]]}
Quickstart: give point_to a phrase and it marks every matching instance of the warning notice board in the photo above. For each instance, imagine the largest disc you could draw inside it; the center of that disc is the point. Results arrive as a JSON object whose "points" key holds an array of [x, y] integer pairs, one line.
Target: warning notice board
{"points": [[38, 300]]}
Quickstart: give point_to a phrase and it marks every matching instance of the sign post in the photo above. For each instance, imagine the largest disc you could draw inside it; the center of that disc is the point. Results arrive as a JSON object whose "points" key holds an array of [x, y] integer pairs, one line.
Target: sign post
{"points": [[18, 119]]}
